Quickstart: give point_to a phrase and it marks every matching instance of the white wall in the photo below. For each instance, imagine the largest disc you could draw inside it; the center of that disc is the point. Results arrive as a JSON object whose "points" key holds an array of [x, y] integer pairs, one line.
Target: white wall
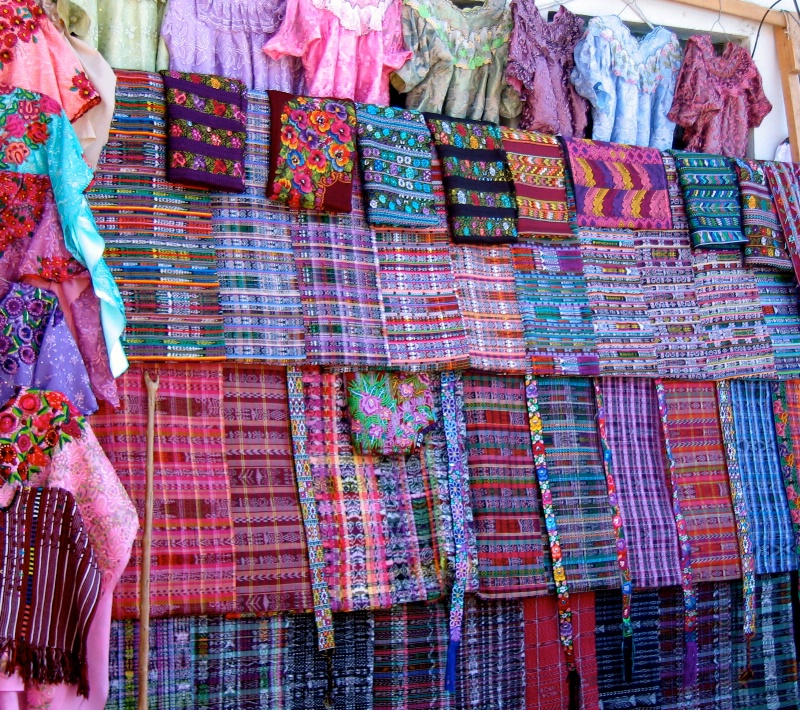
{"points": [[677, 16]]}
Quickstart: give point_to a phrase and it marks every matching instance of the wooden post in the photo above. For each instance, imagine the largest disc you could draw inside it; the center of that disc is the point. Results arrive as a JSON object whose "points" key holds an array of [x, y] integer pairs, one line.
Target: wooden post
{"points": [[739, 8], [787, 44], [147, 539]]}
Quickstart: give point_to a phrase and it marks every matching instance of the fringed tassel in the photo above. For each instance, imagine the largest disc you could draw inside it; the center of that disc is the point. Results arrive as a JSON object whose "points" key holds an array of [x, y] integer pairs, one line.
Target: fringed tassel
{"points": [[627, 658], [450, 672], [747, 674], [574, 685], [50, 666], [690, 664]]}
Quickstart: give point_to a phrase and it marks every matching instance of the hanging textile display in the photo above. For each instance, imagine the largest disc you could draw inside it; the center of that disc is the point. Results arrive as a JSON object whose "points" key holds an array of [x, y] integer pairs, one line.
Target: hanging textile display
{"points": [[259, 294], [680, 219], [410, 656], [206, 130], [540, 182], [271, 556], [458, 60], [477, 180], [194, 568], [786, 408], [158, 236], [735, 336], [718, 98], [395, 151], [540, 62], [711, 194], [785, 184], [671, 647], [512, 541], [618, 186], [492, 630], [628, 82], [487, 299], [695, 440], [578, 483], [640, 476], [778, 293], [551, 289]]}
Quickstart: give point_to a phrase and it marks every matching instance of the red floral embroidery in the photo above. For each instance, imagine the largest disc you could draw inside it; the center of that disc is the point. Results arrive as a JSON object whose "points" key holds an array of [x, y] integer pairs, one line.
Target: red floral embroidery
{"points": [[22, 199], [19, 21], [84, 87]]}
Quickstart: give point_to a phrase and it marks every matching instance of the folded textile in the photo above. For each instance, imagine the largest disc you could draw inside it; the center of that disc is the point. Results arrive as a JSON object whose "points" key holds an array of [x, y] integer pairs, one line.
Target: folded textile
{"points": [[711, 194], [677, 207], [206, 130], [551, 289], [618, 186], [780, 303], [539, 171], [395, 150], [513, 553], [477, 180], [784, 181], [312, 152], [259, 294], [698, 453], [487, 299], [194, 565], [760, 224]]}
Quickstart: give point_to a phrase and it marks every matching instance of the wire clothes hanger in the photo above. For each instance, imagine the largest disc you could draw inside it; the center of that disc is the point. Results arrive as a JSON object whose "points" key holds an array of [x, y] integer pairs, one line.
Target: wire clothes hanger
{"points": [[718, 21], [633, 5]]}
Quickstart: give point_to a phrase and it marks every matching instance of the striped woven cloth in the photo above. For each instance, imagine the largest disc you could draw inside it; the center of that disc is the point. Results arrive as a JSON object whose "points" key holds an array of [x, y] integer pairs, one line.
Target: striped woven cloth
{"points": [[680, 220], [201, 662], [271, 557], [624, 335], [759, 462], [540, 176], [671, 646], [194, 567], [158, 235], [337, 268], [513, 553], [557, 320], [578, 483], [487, 298], [410, 658], [633, 428], [545, 669], [695, 439], [667, 277], [780, 304], [644, 690], [773, 655], [736, 338], [766, 245], [784, 181], [424, 329], [258, 289], [491, 662]]}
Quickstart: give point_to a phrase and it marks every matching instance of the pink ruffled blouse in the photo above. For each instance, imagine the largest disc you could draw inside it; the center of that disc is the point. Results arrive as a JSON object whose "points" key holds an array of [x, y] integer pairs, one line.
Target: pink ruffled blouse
{"points": [[348, 47]]}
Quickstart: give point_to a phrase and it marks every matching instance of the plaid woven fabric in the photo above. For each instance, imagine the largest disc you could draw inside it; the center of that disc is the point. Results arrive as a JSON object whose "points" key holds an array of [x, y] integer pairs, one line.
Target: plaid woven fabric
{"points": [[633, 427], [491, 662], [258, 288], [578, 483], [557, 320], [759, 462], [671, 646], [513, 553], [667, 279], [271, 556], [306, 671], [644, 690], [545, 669], [201, 663], [773, 656], [158, 236], [736, 338], [337, 268], [487, 298], [780, 304], [624, 334], [194, 567], [410, 658], [695, 438], [424, 329]]}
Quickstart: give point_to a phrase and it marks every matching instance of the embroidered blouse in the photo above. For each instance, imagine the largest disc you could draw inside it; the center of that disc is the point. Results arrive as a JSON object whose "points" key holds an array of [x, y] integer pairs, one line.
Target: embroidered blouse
{"points": [[540, 62], [718, 99], [459, 60], [348, 47], [128, 32], [629, 83], [38, 140]]}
